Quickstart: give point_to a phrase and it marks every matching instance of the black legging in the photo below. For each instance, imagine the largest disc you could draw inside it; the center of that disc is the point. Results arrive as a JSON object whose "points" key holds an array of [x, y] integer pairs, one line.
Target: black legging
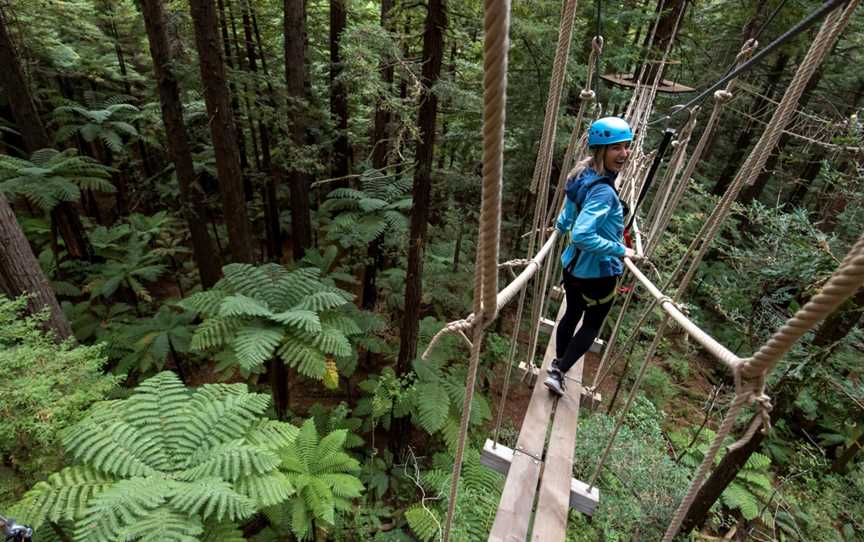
{"points": [[568, 347]]}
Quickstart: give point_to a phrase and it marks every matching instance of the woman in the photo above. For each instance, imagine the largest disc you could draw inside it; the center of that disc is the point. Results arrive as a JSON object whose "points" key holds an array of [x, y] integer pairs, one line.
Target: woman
{"points": [[593, 215]]}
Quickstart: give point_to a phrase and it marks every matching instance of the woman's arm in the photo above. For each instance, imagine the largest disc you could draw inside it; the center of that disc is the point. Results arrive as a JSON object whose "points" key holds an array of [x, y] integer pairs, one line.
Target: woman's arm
{"points": [[567, 216]]}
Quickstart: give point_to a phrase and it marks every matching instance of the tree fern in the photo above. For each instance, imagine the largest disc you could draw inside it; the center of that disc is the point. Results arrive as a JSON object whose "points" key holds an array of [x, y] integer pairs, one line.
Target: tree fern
{"points": [[103, 120], [324, 477], [167, 463], [267, 311], [51, 177], [362, 216]]}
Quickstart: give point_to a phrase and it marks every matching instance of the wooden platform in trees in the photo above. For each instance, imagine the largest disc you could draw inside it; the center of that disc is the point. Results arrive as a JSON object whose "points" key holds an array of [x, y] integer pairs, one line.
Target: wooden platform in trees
{"points": [[534, 467], [628, 80]]}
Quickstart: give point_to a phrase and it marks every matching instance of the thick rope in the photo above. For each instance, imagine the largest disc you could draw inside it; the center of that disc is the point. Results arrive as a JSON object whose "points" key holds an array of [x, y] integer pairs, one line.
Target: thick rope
{"points": [[553, 100], [845, 281], [496, 45]]}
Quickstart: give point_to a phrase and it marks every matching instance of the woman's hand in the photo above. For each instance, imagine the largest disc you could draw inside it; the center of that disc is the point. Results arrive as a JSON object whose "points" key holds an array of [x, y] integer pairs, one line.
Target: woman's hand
{"points": [[630, 253]]}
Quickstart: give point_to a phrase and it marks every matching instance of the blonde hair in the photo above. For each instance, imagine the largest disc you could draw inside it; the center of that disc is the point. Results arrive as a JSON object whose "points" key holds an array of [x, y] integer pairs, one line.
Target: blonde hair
{"points": [[596, 162]]}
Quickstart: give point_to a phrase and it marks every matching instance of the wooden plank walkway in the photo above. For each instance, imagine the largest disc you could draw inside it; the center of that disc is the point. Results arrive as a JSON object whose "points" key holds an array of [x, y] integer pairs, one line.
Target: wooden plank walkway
{"points": [[513, 519]]}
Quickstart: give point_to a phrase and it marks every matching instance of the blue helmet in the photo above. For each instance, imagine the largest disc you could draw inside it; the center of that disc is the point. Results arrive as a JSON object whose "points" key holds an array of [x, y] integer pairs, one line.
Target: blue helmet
{"points": [[609, 130]]}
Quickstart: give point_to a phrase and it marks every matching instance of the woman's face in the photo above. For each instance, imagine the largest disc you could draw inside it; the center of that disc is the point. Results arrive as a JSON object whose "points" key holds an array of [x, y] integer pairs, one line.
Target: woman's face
{"points": [[616, 156]]}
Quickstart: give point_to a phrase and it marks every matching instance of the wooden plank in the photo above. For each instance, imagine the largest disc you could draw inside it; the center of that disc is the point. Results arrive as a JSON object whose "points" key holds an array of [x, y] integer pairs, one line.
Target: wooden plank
{"points": [[498, 458], [547, 325], [514, 510], [583, 500], [532, 434], [553, 504], [517, 499]]}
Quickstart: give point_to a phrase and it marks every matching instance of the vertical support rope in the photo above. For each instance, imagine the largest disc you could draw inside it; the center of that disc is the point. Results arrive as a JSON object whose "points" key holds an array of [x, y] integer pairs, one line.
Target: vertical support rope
{"points": [[496, 44]]}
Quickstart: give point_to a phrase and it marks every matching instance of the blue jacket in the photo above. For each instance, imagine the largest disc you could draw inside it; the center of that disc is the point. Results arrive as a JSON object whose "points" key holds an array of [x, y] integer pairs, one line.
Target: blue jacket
{"points": [[594, 217]]}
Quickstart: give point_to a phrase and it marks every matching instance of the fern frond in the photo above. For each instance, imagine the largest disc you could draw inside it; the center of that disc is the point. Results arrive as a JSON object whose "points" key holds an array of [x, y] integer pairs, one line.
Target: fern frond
{"points": [[242, 305], [256, 344], [272, 434], [433, 406], [62, 497], [321, 301], [232, 461], [207, 302], [160, 399], [213, 497], [214, 333], [343, 485], [122, 504], [305, 320], [163, 525], [424, 522], [114, 447], [332, 341], [266, 490], [308, 361]]}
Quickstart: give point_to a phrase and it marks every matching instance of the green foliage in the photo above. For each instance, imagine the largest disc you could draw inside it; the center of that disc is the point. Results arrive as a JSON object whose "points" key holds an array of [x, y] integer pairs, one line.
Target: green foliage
{"points": [[640, 485], [477, 501], [363, 215], [104, 120], [129, 264], [749, 492], [167, 462], [266, 311], [324, 478], [153, 341], [44, 388], [52, 177]]}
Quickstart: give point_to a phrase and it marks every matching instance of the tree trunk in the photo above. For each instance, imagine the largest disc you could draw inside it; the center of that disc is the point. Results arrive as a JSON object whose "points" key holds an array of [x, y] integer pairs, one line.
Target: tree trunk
{"points": [[20, 272], [222, 129], [224, 19], [382, 116], [662, 37], [17, 92], [433, 52], [278, 374], [273, 229], [745, 137], [295, 83], [341, 166], [206, 258]]}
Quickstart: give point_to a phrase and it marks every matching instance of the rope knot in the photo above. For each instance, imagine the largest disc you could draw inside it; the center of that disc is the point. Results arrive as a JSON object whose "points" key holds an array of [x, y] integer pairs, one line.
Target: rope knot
{"points": [[753, 392], [722, 96], [587, 95]]}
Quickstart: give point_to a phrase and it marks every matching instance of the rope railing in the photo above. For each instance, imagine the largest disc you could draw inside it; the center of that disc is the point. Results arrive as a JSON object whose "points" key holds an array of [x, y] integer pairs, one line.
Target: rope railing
{"points": [[502, 299]]}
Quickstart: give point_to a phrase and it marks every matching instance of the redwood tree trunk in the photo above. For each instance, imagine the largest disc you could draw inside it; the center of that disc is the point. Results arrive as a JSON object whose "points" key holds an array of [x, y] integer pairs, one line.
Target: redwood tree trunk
{"points": [[222, 129], [295, 82], [433, 52], [179, 150], [20, 272], [341, 165]]}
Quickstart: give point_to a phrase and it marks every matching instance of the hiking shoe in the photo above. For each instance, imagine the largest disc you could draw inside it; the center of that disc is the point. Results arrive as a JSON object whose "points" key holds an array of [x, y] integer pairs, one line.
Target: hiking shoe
{"points": [[553, 368], [555, 384]]}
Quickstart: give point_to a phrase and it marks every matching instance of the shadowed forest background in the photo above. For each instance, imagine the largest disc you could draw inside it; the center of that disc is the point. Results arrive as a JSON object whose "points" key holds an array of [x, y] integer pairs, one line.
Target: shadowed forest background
{"points": [[229, 227]]}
